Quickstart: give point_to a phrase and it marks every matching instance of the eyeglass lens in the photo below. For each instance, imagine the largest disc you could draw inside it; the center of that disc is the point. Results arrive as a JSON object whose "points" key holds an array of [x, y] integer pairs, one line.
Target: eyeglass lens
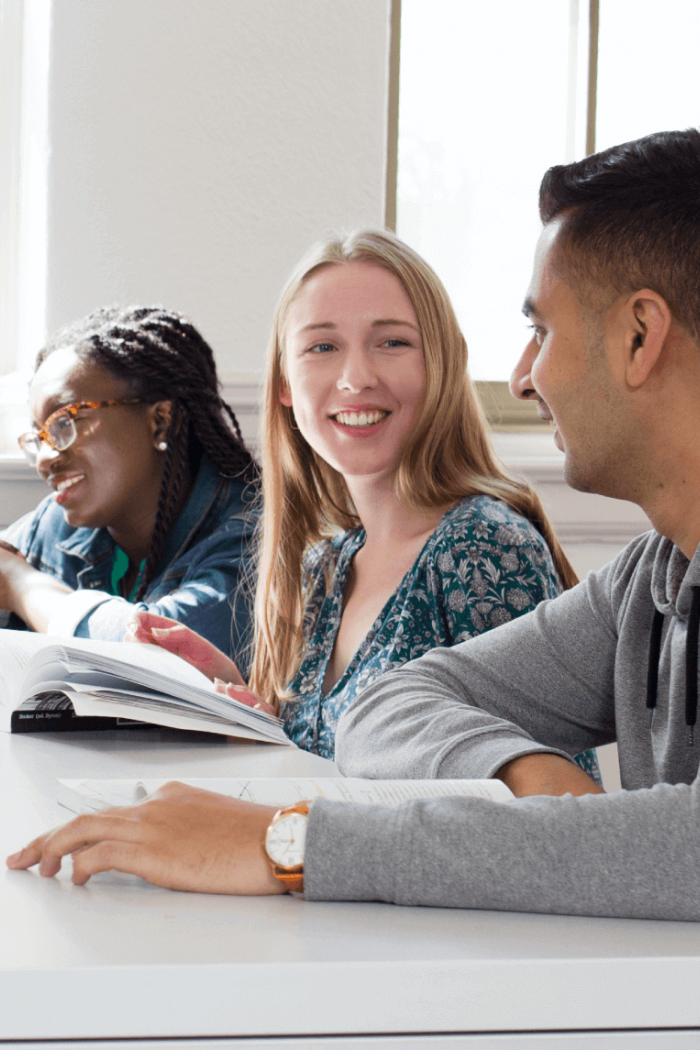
{"points": [[62, 432]]}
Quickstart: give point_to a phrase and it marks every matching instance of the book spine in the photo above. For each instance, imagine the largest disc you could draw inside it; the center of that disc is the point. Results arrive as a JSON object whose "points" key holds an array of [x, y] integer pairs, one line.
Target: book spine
{"points": [[63, 721]]}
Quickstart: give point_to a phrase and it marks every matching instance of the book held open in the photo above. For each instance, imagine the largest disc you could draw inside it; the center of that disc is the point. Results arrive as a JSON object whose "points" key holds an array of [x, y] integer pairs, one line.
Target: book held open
{"points": [[57, 684]]}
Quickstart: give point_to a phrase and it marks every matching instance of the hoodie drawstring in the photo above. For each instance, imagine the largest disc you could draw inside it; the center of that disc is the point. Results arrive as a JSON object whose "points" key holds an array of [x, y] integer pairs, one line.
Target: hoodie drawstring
{"points": [[657, 626], [691, 665], [691, 662]]}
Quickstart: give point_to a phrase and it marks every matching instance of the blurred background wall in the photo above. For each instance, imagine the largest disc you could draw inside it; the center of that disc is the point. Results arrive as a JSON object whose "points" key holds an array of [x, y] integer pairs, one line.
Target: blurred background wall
{"points": [[196, 149]]}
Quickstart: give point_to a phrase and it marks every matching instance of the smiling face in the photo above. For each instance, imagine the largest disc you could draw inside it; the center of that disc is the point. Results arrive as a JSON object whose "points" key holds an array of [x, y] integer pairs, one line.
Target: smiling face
{"points": [[354, 367], [565, 368], [110, 476]]}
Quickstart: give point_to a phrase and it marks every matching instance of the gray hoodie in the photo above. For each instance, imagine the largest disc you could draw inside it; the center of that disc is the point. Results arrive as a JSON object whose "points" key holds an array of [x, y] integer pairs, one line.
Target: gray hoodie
{"points": [[570, 676]]}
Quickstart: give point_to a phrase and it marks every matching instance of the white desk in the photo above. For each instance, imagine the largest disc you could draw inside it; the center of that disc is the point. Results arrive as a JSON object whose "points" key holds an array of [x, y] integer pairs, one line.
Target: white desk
{"points": [[118, 959]]}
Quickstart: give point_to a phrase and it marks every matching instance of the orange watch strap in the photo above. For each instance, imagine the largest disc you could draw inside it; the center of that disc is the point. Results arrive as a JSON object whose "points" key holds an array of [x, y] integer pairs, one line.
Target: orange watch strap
{"points": [[291, 878], [294, 882]]}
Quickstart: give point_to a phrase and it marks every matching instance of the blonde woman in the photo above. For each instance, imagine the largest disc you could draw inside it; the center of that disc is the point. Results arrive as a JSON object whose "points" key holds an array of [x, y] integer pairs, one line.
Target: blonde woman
{"points": [[389, 525]]}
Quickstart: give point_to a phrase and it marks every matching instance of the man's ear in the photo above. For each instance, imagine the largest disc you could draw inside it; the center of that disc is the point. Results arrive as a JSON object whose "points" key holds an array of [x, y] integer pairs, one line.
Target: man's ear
{"points": [[160, 416], [284, 394], [647, 322]]}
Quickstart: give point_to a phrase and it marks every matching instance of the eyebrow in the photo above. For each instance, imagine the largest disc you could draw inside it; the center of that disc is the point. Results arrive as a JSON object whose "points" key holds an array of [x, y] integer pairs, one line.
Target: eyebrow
{"points": [[55, 405], [375, 324], [530, 308], [394, 321]]}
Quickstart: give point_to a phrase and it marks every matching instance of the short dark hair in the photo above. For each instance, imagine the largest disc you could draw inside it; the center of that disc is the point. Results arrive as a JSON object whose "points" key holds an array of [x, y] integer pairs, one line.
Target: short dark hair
{"points": [[162, 357], [631, 219]]}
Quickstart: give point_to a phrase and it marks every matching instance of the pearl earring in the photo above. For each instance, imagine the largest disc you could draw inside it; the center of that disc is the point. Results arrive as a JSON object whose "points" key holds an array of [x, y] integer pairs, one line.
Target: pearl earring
{"points": [[162, 445]]}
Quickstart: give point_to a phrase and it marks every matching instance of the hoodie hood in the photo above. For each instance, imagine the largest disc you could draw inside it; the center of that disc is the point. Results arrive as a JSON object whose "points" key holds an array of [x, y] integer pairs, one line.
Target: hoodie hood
{"points": [[673, 578]]}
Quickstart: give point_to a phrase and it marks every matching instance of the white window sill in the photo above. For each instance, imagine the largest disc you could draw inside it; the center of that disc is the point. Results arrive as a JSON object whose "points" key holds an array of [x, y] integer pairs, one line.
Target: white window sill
{"points": [[579, 518]]}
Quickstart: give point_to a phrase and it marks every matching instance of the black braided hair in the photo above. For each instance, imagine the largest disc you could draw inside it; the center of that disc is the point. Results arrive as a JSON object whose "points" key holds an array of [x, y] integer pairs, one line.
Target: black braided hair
{"points": [[163, 357]]}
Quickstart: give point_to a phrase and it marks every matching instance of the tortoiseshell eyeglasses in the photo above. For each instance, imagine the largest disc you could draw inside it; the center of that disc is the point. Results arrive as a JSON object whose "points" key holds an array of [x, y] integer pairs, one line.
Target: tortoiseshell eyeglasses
{"points": [[59, 431]]}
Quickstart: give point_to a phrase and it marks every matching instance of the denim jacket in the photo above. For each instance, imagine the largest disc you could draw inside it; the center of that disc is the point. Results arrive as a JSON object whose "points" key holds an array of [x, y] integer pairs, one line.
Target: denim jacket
{"points": [[205, 558]]}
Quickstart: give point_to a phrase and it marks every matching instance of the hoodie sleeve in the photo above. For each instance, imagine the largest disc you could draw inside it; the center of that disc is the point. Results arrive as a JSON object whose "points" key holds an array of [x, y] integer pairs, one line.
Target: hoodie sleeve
{"points": [[541, 683], [634, 854]]}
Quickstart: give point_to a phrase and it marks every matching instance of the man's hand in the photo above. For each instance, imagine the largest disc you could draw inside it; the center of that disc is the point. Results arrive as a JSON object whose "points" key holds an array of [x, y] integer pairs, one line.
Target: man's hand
{"points": [[151, 629], [543, 774], [180, 837]]}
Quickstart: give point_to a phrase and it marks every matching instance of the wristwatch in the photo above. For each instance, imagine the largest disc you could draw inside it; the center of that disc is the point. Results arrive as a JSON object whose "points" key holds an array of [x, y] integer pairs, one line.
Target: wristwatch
{"points": [[285, 840]]}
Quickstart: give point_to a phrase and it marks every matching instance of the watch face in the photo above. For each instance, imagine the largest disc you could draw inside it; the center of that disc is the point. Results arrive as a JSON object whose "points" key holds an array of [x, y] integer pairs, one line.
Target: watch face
{"points": [[285, 840]]}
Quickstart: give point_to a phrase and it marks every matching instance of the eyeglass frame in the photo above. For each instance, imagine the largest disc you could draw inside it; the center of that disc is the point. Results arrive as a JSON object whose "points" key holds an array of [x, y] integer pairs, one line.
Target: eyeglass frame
{"points": [[71, 411]]}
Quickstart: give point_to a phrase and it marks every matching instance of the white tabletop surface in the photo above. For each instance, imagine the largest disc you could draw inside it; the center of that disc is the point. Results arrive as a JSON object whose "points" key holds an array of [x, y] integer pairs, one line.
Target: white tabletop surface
{"points": [[120, 959]]}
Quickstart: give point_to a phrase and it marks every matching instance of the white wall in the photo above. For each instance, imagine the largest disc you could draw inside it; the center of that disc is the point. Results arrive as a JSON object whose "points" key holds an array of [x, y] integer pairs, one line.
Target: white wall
{"points": [[197, 149]]}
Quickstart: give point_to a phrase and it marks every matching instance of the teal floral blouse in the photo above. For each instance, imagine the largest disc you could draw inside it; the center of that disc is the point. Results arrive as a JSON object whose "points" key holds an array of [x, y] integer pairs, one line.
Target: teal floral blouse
{"points": [[483, 565]]}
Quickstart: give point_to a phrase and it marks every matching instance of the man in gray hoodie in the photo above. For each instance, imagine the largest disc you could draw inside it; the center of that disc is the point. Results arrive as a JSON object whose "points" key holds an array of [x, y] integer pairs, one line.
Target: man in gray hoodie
{"points": [[614, 363]]}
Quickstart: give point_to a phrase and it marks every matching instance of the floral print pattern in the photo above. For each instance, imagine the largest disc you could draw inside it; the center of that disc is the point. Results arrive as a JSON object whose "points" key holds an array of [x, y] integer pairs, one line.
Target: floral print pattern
{"points": [[483, 565]]}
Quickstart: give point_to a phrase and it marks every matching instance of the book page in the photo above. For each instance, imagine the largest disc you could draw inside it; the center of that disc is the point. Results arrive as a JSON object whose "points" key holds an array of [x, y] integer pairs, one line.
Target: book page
{"points": [[16, 650], [146, 667], [121, 658], [84, 796], [171, 716]]}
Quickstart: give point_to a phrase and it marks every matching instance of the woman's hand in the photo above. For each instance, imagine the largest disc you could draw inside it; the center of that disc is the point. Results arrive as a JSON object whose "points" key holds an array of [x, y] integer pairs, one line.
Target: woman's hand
{"points": [[151, 629], [180, 837], [244, 696], [5, 546], [32, 595], [12, 565]]}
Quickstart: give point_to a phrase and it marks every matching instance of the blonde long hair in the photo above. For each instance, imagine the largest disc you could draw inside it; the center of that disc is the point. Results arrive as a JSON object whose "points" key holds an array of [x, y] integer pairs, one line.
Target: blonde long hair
{"points": [[448, 455]]}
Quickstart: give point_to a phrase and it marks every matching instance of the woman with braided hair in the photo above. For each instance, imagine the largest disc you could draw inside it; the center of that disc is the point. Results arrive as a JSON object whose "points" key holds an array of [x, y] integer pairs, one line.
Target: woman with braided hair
{"points": [[153, 485]]}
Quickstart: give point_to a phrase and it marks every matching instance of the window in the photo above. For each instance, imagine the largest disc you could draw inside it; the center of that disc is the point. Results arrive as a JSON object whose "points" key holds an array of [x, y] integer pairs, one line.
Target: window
{"points": [[647, 68], [491, 95], [24, 51]]}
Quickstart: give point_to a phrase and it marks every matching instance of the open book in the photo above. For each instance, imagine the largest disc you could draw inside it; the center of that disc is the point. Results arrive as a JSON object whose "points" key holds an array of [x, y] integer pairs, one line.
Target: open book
{"points": [[89, 796], [54, 684]]}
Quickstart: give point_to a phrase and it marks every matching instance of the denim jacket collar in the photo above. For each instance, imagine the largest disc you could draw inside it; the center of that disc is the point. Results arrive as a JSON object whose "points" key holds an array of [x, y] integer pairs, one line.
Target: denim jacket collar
{"points": [[95, 547]]}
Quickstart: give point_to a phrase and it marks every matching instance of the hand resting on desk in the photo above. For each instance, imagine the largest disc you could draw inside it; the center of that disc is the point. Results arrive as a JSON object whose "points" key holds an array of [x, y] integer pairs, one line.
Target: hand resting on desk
{"points": [[180, 837], [184, 838]]}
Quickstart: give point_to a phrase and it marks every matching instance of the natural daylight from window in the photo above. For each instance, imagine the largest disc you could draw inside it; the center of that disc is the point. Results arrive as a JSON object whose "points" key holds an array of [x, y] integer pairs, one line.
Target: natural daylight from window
{"points": [[491, 95]]}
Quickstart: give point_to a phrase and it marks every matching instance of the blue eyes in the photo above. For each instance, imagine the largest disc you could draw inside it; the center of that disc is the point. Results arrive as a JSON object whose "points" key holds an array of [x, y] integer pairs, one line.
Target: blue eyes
{"points": [[390, 344]]}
